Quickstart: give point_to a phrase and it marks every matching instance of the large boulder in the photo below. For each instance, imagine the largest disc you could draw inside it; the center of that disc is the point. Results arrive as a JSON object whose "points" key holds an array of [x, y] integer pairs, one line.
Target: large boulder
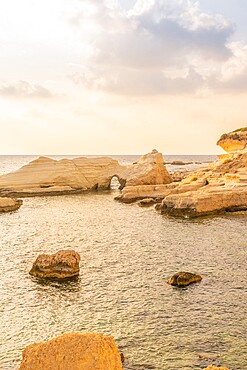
{"points": [[73, 351], [234, 141], [46, 176], [61, 265], [9, 204], [149, 170], [182, 279]]}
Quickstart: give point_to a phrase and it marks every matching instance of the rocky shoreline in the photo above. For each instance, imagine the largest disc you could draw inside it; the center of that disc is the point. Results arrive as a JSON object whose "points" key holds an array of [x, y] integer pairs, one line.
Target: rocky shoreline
{"points": [[219, 187]]}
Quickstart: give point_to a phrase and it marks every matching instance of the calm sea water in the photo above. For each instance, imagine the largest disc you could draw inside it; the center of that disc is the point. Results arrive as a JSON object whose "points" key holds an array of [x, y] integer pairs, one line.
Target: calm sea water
{"points": [[127, 252]]}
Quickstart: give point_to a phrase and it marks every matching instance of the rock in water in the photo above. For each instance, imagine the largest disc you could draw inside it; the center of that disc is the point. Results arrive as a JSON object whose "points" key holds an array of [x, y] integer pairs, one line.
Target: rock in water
{"points": [[73, 351], [61, 265], [181, 279], [9, 204]]}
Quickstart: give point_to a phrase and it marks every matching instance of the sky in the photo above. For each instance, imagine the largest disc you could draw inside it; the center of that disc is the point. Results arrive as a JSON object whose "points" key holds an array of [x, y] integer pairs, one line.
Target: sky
{"points": [[121, 76]]}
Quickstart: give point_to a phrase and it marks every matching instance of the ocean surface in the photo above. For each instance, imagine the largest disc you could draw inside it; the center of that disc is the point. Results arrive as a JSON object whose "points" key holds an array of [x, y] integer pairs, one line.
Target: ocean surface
{"points": [[127, 252]]}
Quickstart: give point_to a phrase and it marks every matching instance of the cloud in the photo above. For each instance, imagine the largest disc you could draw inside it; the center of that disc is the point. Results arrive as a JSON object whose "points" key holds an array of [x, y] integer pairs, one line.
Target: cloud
{"points": [[158, 47], [23, 89]]}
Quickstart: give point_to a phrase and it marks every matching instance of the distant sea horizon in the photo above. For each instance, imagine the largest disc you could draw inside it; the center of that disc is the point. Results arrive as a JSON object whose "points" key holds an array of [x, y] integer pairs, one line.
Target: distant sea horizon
{"points": [[12, 162]]}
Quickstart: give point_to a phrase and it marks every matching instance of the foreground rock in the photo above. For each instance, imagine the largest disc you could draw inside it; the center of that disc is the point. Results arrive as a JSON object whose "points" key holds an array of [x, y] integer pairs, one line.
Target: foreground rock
{"points": [[61, 265], [234, 141], [73, 351], [182, 279], [9, 204], [216, 368], [46, 176]]}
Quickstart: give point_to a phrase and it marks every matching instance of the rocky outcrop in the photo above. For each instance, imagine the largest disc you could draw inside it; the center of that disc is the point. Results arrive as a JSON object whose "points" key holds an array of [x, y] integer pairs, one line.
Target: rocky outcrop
{"points": [[216, 368], [9, 204], [234, 141], [46, 176], [61, 265], [75, 351], [182, 279], [224, 189]]}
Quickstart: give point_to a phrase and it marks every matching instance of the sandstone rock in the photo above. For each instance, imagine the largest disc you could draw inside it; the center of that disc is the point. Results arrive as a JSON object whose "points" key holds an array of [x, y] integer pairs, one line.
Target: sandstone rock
{"points": [[149, 170], [9, 204], [233, 141], [46, 176], [73, 351], [181, 279], [179, 175], [61, 265], [131, 194], [219, 187], [215, 368], [146, 202]]}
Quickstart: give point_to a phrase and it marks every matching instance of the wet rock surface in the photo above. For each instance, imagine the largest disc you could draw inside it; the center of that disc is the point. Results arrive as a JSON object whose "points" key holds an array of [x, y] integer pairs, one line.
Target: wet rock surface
{"points": [[61, 265], [182, 279]]}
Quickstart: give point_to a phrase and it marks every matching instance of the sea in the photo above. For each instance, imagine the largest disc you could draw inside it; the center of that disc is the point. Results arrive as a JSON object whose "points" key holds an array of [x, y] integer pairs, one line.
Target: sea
{"points": [[127, 253]]}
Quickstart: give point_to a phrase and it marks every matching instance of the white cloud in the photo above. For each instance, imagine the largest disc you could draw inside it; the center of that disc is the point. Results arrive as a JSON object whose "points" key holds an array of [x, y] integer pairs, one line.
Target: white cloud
{"points": [[23, 89], [158, 47]]}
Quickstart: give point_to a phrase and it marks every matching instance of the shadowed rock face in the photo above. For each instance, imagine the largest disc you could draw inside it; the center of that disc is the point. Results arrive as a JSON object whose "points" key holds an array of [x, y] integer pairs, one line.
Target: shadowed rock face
{"points": [[73, 351], [46, 176], [9, 204], [234, 141], [181, 279], [61, 265]]}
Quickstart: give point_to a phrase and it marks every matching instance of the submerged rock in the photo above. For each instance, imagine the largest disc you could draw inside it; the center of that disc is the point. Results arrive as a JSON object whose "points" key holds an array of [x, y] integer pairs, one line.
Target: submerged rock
{"points": [[181, 279], [73, 351], [9, 204], [61, 265]]}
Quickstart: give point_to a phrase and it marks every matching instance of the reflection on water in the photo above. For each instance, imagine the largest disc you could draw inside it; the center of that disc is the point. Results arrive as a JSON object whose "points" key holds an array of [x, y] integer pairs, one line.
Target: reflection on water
{"points": [[127, 252]]}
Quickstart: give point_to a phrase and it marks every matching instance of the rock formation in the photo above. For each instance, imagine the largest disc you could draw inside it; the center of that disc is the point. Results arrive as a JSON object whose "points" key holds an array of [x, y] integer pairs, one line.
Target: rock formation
{"points": [[182, 279], [73, 351], [46, 176], [60, 265], [234, 141], [224, 188], [9, 204], [219, 187]]}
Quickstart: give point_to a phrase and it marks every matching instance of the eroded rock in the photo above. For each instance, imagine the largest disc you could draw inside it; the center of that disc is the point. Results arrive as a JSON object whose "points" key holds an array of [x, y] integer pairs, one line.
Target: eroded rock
{"points": [[9, 204], [46, 176], [73, 351], [234, 141], [146, 202], [182, 278], [61, 265]]}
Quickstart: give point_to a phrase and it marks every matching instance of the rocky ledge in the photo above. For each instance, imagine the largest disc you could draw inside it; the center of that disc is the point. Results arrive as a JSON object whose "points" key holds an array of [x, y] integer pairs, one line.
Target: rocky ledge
{"points": [[61, 265], [219, 187], [9, 204], [234, 141], [73, 351], [46, 176]]}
